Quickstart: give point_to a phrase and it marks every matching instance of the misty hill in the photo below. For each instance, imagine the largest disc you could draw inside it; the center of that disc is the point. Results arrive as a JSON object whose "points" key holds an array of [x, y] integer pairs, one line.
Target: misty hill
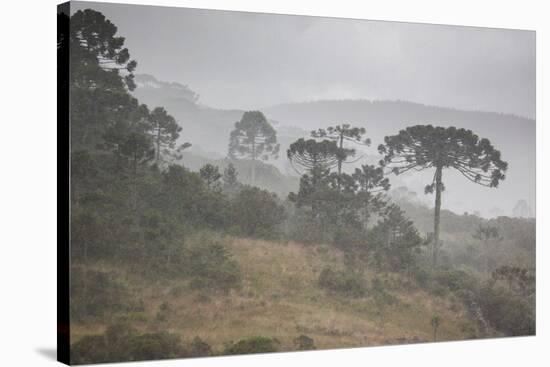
{"points": [[208, 129], [460, 248], [203, 126], [384, 117], [268, 177], [513, 135]]}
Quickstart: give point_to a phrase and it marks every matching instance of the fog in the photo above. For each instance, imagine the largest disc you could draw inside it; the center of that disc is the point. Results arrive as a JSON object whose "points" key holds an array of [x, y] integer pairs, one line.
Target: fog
{"points": [[244, 61], [225, 198], [251, 60]]}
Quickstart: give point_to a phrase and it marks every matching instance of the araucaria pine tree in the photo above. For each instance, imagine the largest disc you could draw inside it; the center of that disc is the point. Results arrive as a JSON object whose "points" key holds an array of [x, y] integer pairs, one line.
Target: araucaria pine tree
{"points": [[165, 131], [313, 160], [341, 134], [423, 147], [230, 179], [370, 185], [253, 138]]}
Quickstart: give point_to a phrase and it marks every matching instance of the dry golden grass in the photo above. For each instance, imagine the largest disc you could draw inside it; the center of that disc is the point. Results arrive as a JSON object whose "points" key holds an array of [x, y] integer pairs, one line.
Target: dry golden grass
{"points": [[280, 298]]}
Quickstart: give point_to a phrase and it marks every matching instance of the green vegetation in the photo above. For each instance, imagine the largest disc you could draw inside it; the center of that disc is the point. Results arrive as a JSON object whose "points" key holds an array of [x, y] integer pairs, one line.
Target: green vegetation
{"points": [[344, 282], [169, 261], [211, 266], [425, 146], [256, 344], [304, 342], [121, 343]]}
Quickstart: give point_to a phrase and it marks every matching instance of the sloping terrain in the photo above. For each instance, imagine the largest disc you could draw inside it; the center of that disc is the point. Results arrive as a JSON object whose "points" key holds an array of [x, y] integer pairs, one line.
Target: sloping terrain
{"points": [[280, 298]]}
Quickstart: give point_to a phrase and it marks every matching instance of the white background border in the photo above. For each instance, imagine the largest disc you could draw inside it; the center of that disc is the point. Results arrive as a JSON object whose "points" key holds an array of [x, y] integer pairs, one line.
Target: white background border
{"points": [[28, 182]]}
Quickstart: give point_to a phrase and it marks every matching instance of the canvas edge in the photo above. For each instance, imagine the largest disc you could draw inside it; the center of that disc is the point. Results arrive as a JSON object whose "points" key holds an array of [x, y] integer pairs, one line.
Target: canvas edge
{"points": [[63, 169]]}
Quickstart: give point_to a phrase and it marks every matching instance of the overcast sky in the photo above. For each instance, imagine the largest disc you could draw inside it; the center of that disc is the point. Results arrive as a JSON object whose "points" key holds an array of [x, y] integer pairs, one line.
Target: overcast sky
{"points": [[251, 60]]}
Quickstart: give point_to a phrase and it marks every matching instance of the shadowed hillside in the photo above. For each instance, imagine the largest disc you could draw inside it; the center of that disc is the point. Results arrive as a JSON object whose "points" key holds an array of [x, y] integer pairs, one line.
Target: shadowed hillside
{"points": [[208, 125]]}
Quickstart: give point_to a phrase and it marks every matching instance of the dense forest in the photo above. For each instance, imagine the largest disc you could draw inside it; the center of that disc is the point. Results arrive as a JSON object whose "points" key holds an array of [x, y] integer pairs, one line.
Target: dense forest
{"points": [[169, 260]]}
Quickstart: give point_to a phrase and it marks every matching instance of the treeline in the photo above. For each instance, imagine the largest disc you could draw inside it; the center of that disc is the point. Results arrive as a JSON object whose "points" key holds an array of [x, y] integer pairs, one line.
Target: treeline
{"points": [[128, 199], [133, 205]]}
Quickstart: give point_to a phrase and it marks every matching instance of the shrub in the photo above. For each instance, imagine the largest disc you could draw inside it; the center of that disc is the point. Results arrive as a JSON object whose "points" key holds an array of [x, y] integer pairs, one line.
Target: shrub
{"points": [[394, 241], [163, 312], [89, 236], [507, 312], [154, 346], [255, 344], [421, 276], [211, 265], [349, 237], [302, 228], [122, 343], [304, 342], [199, 348], [185, 196], [90, 349], [257, 213], [133, 317], [438, 290], [345, 282], [455, 280], [381, 296], [96, 294]]}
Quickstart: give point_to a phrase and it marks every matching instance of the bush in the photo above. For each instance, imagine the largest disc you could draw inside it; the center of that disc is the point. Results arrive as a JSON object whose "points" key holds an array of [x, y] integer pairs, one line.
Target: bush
{"points": [[455, 280], [421, 276], [255, 344], [344, 282], [122, 343], [394, 241], [441, 282], [163, 312], [439, 290], [90, 349], [199, 348], [349, 237], [302, 228], [304, 342], [257, 213], [211, 265], [381, 296], [186, 197], [507, 312], [154, 346], [96, 294]]}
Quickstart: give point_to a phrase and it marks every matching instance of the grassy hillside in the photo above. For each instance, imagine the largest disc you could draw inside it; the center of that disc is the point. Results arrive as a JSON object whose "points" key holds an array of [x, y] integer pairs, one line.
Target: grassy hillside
{"points": [[280, 298]]}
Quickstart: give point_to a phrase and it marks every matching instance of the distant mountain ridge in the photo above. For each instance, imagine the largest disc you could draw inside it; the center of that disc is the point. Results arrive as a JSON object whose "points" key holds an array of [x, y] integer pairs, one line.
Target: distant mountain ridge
{"points": [[391, 115], [208, 129]]}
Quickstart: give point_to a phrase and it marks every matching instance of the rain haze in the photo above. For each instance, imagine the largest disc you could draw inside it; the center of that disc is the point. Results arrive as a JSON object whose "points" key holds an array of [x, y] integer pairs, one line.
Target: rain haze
{"points": [[250, 61], [267, 183]]}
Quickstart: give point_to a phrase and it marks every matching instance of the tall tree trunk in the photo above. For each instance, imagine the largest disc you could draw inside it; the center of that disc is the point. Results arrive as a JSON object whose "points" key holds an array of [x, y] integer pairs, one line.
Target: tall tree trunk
{"points": [[437, 211], [487, 256], [253, 168], [340, 160], [367, 202], [158, 146], [314, 182]]}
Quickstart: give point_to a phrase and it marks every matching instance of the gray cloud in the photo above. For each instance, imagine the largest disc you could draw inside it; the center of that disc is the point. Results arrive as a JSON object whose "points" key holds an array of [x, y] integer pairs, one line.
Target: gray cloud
{"points": [[251, 60]]}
